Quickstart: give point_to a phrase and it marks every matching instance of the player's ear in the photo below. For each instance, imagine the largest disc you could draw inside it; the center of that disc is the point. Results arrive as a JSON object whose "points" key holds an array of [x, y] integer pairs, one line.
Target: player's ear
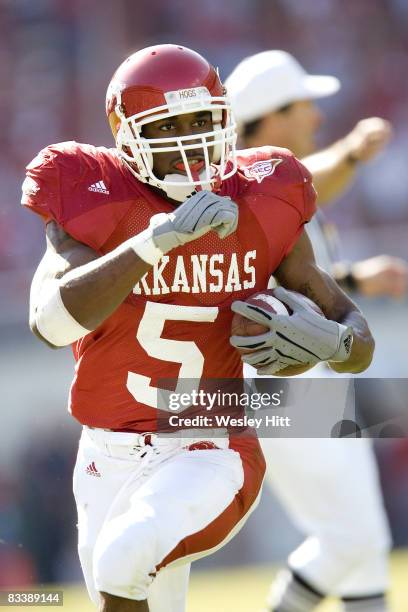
{"points": [[114, 123]]}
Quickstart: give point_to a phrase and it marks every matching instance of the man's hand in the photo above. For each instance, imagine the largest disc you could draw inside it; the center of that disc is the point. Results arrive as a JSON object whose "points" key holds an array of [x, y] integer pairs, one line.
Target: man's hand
{"points": [[334, 168], [368, 138], [202, 212], [303, 337], [383, 275]]}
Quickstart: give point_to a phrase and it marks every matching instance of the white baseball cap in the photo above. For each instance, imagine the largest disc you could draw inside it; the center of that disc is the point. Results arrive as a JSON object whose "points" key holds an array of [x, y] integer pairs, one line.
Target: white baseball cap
{"points": [[266, 81]]}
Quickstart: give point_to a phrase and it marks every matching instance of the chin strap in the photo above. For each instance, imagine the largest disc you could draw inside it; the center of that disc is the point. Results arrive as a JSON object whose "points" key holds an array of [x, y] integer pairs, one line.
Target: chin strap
{"points": [[184, 189]]}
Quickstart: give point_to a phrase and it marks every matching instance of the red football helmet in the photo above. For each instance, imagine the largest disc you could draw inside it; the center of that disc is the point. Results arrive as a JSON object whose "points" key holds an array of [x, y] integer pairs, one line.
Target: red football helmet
{"points": [[160, 82]]}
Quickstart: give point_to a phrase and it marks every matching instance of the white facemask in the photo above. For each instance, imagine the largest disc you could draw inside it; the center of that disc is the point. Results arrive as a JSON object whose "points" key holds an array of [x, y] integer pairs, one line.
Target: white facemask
{"points": [[218, 145]]}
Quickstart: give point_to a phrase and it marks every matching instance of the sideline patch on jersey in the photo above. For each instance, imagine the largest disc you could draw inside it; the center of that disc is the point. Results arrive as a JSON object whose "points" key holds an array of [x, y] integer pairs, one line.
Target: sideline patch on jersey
{"points": [[261, 169]]}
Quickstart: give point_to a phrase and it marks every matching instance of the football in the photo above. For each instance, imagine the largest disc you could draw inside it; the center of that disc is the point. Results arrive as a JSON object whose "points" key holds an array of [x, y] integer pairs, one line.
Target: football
{"points": [[241, 326]]}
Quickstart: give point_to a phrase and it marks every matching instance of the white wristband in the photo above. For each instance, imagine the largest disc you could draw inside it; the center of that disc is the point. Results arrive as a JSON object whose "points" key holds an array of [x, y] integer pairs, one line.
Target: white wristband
{"points": [[53, 320], [144, 247]]}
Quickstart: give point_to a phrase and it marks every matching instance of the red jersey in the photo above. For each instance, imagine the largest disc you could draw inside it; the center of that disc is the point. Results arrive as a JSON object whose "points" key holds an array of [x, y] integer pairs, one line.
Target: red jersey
{"points": [[176, 323]]}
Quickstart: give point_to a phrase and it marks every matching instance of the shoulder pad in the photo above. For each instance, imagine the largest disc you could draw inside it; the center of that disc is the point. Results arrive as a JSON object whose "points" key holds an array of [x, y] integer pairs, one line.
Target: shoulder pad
{"points": [[276, 171], [57, 171]]}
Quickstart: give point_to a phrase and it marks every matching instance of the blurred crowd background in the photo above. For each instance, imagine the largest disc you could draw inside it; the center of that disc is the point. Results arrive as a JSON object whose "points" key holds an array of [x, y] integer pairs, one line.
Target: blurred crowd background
{"points": [[56, 60]]}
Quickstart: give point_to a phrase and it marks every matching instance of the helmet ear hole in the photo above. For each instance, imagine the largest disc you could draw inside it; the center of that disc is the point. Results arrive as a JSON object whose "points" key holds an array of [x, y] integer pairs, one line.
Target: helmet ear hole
{"points": [[114, 123]]}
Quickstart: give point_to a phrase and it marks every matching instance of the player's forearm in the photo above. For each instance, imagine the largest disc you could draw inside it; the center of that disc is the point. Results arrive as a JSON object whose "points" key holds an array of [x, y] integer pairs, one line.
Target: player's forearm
{"points": [[337, 306], [363, 345], [332, 169], [308, 279], [79, 290], [92, 292]]}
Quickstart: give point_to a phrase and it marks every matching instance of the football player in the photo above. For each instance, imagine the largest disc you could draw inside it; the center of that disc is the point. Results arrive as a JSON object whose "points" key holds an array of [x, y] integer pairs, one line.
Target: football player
{"points": [[346, 551], [148, 244]]}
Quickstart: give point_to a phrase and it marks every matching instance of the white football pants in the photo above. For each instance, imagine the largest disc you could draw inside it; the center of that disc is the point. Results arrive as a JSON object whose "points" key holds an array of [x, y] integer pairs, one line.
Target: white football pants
{"points": [[139, 511], [331, 491]]}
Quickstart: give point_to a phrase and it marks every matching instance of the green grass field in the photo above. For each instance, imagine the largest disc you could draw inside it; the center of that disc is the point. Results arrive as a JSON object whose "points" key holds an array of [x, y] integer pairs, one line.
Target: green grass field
{"points": [[243, 590]]}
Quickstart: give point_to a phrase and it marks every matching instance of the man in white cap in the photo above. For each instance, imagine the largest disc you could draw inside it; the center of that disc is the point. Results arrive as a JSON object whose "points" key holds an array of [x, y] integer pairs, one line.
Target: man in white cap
{"points": [[340, 510], [273, 100]]}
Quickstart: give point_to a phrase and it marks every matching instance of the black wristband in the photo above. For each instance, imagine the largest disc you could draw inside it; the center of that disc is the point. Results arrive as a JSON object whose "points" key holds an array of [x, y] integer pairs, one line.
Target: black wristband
{"points": [[352, 160], [348, 282]]}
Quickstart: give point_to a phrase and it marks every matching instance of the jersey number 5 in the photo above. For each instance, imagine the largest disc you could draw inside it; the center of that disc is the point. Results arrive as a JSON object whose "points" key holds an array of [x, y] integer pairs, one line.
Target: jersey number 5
{"points": [[184, 352]]}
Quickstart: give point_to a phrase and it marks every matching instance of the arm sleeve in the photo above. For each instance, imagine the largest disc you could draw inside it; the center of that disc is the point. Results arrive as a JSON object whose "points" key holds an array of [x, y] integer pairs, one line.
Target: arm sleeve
{"points": [[41, 189]]}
